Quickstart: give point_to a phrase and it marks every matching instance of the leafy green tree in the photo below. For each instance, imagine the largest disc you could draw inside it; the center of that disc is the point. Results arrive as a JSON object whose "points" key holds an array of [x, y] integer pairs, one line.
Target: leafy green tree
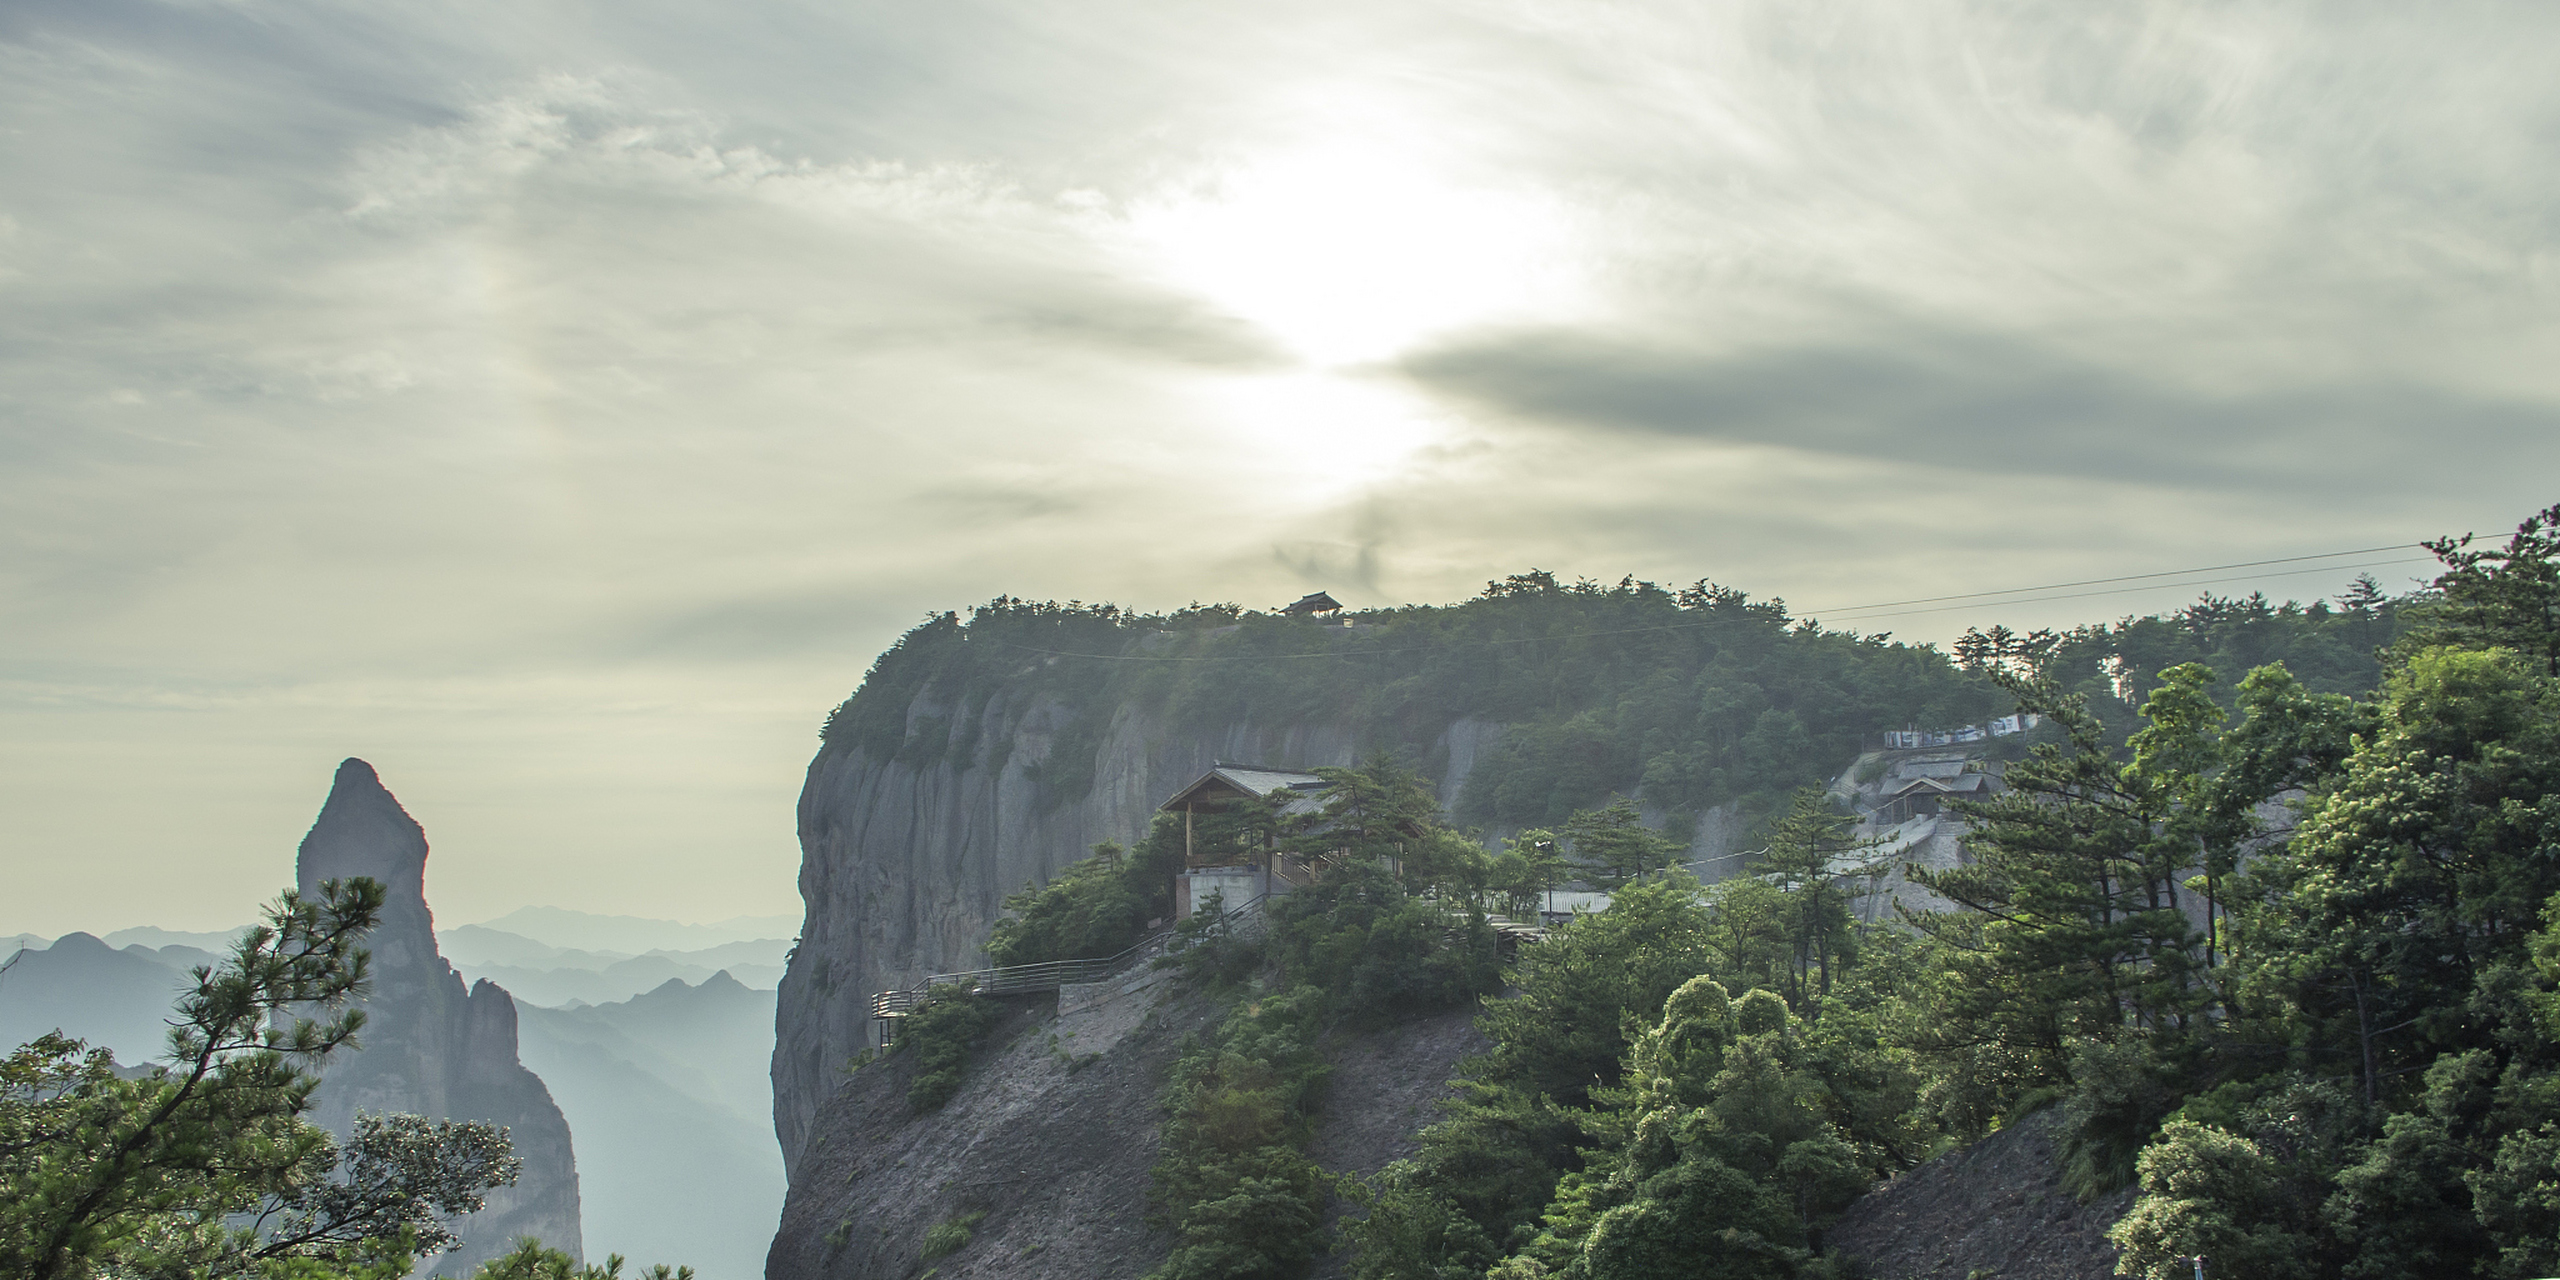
{"points": [[1811, 852], [2206, 1191], [1378, 952], [1532, 863], [1747, 931], [2069, 924], [1242, 1199], [1615, 845], [2417, 871], [1726, 1160], [2501, 598], [532, 1260], [1095, 908], [944, 1034], [1408, 1232], [1562, 1034], [1386, 815]]}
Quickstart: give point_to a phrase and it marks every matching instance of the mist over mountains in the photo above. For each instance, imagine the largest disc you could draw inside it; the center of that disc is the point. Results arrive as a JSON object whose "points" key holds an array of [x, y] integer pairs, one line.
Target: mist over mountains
{"points": [[543, 972], [670, 1097], [569, 929], [657, 1051]]}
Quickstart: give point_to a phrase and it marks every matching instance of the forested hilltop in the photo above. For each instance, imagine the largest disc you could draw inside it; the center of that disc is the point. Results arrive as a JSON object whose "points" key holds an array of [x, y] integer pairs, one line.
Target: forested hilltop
{"points": [[2279, 961], [1691, 698]]}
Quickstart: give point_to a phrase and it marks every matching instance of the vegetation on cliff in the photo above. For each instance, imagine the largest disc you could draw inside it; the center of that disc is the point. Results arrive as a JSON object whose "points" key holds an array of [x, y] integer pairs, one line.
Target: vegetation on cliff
{"points": [[2266, 915], [1362, 946], [2288, 966], [1690, 698]]}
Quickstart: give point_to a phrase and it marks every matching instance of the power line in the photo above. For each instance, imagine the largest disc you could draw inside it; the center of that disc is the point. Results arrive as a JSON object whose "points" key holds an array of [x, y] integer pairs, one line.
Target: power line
{"points": [[1857, 612], [1866, 611], [2171, 573]]}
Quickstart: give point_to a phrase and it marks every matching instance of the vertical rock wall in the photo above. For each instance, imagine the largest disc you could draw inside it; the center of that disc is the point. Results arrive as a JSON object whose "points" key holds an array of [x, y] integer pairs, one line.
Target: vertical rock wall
{"points": [[904, 867], [431, 1046]]}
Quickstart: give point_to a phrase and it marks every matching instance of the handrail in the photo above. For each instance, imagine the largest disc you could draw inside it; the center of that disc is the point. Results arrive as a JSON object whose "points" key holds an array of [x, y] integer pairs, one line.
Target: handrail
{"points": [[1048, 975]]}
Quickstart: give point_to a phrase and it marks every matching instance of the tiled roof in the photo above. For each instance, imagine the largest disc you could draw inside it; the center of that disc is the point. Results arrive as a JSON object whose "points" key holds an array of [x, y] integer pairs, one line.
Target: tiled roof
{"points": [[1257, 780]]}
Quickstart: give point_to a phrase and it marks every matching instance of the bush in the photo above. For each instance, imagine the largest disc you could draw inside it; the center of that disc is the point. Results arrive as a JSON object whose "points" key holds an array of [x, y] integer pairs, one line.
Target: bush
{"points": [[1095, 908], [948, 1237], [944, 1033]]}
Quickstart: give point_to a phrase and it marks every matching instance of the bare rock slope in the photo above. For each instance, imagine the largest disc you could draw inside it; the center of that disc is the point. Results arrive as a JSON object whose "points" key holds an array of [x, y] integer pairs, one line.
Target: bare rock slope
{"points": [[1996, 1208], [1050, 1140], [431, 1046]]}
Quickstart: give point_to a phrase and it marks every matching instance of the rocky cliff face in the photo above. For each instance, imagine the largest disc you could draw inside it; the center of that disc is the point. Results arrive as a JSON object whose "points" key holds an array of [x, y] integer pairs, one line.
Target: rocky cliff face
{"points": [[904, 866], [1050, 1140], [431, 1046]]}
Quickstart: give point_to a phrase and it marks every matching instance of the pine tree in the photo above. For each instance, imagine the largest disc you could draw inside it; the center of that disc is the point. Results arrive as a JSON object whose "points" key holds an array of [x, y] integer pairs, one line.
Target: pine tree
{"points": [[203, 1166]]}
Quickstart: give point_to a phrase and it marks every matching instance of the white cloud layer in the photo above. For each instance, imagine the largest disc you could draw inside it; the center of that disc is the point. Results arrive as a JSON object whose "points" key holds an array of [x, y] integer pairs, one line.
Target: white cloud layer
{"points": [[559, 405]]}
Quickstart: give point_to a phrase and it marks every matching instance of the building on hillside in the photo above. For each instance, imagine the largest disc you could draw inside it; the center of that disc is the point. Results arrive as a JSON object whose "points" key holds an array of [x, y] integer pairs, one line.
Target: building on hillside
{"points": [[1312, 604], [1923, 796], [1234, 872]]}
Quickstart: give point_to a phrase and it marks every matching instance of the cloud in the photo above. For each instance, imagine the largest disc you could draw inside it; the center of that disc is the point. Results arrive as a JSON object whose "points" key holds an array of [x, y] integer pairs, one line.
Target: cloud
{"points": [[1995, 405], [525, 345]]}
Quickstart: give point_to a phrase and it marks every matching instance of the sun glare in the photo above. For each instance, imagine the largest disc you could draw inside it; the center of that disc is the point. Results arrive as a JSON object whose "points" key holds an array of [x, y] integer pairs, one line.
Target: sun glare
{"points": [[1350, 255], [1317, 434]]}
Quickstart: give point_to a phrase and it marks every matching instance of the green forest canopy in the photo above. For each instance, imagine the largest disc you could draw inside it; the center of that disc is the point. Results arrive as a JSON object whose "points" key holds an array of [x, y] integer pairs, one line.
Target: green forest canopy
{"points": [[1687, 698], [2292, 975]]}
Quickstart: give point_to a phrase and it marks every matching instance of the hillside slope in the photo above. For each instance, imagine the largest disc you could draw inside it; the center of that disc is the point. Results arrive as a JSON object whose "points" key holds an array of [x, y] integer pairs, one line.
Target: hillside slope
{"points": [[1996, 1208], [1052, 1138]]}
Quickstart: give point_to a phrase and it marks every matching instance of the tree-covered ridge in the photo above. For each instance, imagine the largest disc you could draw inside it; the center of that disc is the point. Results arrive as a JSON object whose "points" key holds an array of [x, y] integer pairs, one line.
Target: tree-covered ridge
{"points": [[1688, 699], [2293, 973]]}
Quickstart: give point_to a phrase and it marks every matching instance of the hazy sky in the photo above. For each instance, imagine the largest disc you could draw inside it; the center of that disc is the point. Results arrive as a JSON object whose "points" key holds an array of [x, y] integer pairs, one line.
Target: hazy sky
{"points": [[558, 404]]}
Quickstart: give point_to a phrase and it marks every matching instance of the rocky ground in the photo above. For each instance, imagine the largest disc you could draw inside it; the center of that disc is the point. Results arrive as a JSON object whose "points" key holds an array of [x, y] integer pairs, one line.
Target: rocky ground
{"points": [[1045, 1153], [1993, 1211], [1385, 1087], [1051, 1140]]}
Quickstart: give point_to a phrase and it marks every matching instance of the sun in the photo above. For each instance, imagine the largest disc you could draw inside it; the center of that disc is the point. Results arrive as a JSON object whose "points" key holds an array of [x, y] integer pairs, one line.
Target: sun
{"points": [[1349, 253]]}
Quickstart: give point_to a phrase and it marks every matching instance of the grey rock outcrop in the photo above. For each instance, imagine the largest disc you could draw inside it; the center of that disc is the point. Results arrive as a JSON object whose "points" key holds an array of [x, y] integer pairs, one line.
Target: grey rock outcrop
{"points": [[904, 866], [1051, 1137], [432, 1046]]}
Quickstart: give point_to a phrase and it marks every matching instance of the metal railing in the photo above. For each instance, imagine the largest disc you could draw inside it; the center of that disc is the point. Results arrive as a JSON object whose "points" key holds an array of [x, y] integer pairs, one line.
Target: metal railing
{"points": [[1022, 979]]}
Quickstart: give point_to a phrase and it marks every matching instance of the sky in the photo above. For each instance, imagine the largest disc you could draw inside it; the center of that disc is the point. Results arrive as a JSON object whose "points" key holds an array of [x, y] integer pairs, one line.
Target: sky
{"points": [[558, 404]]}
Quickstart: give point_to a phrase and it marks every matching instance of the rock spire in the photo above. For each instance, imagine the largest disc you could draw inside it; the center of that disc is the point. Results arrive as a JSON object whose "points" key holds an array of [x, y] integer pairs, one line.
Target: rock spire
{"points": [[430, 1045]]}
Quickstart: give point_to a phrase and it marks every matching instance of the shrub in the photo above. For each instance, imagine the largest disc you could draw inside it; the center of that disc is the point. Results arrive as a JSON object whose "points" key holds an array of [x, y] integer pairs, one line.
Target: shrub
{"points": [[944, 1033], [950, 1236], [1094, 908]]}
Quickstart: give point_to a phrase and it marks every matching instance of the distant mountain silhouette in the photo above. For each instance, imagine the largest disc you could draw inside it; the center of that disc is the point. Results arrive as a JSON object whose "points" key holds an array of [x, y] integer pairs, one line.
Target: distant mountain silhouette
{"points": [[634, 935], [670, 1094], [81, 986]]}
